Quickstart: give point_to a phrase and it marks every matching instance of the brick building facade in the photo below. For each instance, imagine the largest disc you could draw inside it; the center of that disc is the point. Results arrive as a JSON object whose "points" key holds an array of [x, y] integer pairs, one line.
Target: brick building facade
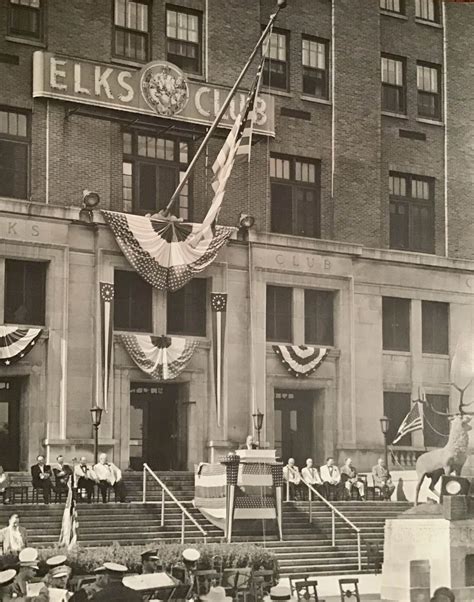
{"points": [[363, 235]]}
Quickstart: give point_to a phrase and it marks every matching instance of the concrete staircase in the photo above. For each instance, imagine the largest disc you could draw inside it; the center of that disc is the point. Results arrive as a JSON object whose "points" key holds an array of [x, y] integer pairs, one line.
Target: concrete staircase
{"points": [[307, 547]]}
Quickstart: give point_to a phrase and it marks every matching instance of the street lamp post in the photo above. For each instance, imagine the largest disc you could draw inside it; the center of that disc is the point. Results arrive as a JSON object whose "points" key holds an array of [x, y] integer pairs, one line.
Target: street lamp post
{"points": [[96, 415], [385, 425], [257, 424]]}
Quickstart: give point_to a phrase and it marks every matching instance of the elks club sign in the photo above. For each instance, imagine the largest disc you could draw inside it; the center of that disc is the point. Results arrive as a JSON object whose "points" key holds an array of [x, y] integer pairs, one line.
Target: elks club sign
{"points": [[159, 88]]}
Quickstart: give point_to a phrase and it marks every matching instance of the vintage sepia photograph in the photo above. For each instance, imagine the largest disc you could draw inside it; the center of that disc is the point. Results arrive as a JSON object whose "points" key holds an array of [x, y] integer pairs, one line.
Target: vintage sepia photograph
{"points": [[236, 300]]}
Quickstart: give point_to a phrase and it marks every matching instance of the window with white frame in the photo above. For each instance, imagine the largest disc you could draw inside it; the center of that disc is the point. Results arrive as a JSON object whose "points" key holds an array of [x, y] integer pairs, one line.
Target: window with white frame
{"points": [[428, 78], [315, 60], [393, 84], [393, 6], [184, 39], [131, 29], [276, 71], [427, 10]]}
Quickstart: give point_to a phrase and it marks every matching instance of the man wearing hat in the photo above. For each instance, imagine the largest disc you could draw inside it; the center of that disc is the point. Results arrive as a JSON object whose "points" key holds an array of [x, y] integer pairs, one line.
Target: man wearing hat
{"points": [[87, 591], [6, 580], [216, 594], [114, 590], [56, 579], [150, 562], [186, 573], [28, 567]]}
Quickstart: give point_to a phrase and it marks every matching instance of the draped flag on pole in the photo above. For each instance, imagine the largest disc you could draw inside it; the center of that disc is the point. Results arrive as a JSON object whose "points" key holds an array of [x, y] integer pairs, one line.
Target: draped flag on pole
{"points": [[412, 422], [163, 250], [16, 342], [69, 526], [300, 360], [219, 308], [106, 336], [162, 358]]}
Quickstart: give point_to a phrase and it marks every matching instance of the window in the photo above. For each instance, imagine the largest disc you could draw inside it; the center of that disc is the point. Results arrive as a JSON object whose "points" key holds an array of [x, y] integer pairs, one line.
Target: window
{"points": [[396, 324], [435, 327], [184, 39], [279, 314], [25, 292], [318, 317], [186, 309], [152, 168], [14, 153], [393, 6], [393, 85], [132, 302], [315, 58], [428, 79], [131, 32], [275, 71], [396, 406], [295, 194], [428, 10], [411, 213], [469, 570], [26, 18], [436, 427]]}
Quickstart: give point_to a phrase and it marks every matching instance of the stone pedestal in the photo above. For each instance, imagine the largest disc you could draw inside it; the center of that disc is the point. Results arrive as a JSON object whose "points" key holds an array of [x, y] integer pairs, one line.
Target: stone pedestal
{"points": [[442, 543]]}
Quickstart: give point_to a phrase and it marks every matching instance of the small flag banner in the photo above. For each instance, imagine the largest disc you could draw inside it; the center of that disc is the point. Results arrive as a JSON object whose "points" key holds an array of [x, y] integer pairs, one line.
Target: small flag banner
{"points": [[165, 251], [162, 358], [69, 526], [16, 342], [106, 336], [252, 507], [300, 360], [210, 482], [219, 309], [412, 422]]}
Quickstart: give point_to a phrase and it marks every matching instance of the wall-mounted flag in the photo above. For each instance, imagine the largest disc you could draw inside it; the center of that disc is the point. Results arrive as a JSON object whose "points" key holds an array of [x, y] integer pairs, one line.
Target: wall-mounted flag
{"points": [[106, 336], [219, 309]]}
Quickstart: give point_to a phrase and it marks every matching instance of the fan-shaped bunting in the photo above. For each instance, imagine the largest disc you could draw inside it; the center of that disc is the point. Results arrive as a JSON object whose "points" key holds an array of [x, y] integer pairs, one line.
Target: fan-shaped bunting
{"points": [[300, 360], [16, 342], [166, 252], [162, 358]]}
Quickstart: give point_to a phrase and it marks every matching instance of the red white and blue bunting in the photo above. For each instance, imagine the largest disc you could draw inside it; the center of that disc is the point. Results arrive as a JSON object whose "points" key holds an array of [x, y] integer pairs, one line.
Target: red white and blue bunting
{"points": [[300, 360], [162, 358], [165, 251], [16, 342]]}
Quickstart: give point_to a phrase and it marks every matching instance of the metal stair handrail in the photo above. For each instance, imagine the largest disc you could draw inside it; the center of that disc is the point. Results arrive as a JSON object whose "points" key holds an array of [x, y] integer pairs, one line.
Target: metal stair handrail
{"points": [[164, 490], [334, 511]]}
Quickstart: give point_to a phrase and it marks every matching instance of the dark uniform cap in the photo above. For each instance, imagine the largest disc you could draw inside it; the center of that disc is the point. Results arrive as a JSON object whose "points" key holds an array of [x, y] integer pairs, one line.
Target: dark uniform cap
{"points": [[150, 555]]}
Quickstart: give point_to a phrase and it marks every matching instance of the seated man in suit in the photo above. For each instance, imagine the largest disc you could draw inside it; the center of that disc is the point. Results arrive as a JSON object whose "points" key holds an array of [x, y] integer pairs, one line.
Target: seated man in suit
{"points": [[331, 478], [383, 479], [311, 476], [350, 479], [41, 476], [84, 478], [291, 474], [61, 472], [109, 475], [249, 443]]}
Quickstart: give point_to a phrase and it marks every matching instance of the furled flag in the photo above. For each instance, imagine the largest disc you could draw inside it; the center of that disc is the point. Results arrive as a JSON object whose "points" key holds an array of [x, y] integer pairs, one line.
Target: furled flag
{"points": [[106, 336], [69, 526], [219, 308], [412, 422]]}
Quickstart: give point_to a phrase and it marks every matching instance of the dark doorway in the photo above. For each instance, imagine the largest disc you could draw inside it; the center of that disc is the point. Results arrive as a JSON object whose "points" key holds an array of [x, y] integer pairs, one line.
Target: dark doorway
{"points": [[157, 436], [294, 425], [10, 395]]}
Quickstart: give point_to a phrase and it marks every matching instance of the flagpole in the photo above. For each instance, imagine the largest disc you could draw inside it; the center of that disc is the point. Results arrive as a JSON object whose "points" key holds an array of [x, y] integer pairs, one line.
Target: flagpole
{"points": [[280, 4]]}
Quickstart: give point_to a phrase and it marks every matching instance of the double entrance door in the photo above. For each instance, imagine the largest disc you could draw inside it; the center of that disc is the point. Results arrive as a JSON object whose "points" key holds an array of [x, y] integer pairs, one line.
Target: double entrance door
{"points": [[10, 395], [294, 412], [158, 427]]}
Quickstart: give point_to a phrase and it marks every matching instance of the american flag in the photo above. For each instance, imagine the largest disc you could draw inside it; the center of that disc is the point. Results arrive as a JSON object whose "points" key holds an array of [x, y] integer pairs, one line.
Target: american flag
{"points": [[412, 422], [106, 336], [68, 537]]}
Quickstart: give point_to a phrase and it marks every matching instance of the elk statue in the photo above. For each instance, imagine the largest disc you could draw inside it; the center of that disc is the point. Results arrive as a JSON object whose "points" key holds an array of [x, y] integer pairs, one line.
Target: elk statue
{"points": [[452, 457]]}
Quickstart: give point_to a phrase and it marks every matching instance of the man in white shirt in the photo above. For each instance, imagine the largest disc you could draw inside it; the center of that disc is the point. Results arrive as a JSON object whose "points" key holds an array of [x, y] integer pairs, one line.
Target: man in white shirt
{"points": [[311, 476], [109, 475], [291, 474], [331, 478], [84, 478], [351, 479]]}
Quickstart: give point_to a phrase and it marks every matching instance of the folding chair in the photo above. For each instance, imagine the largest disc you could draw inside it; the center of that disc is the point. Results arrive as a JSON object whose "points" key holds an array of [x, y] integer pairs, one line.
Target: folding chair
{"points": [[262, 582], [236, 582], [206, 579], [304, 587], [349, 588]]}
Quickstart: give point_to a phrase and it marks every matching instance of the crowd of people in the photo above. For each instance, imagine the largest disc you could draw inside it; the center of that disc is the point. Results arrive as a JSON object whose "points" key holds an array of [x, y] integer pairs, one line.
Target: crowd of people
{"points": [[108, 583], [84, 477], [335, 483]]}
